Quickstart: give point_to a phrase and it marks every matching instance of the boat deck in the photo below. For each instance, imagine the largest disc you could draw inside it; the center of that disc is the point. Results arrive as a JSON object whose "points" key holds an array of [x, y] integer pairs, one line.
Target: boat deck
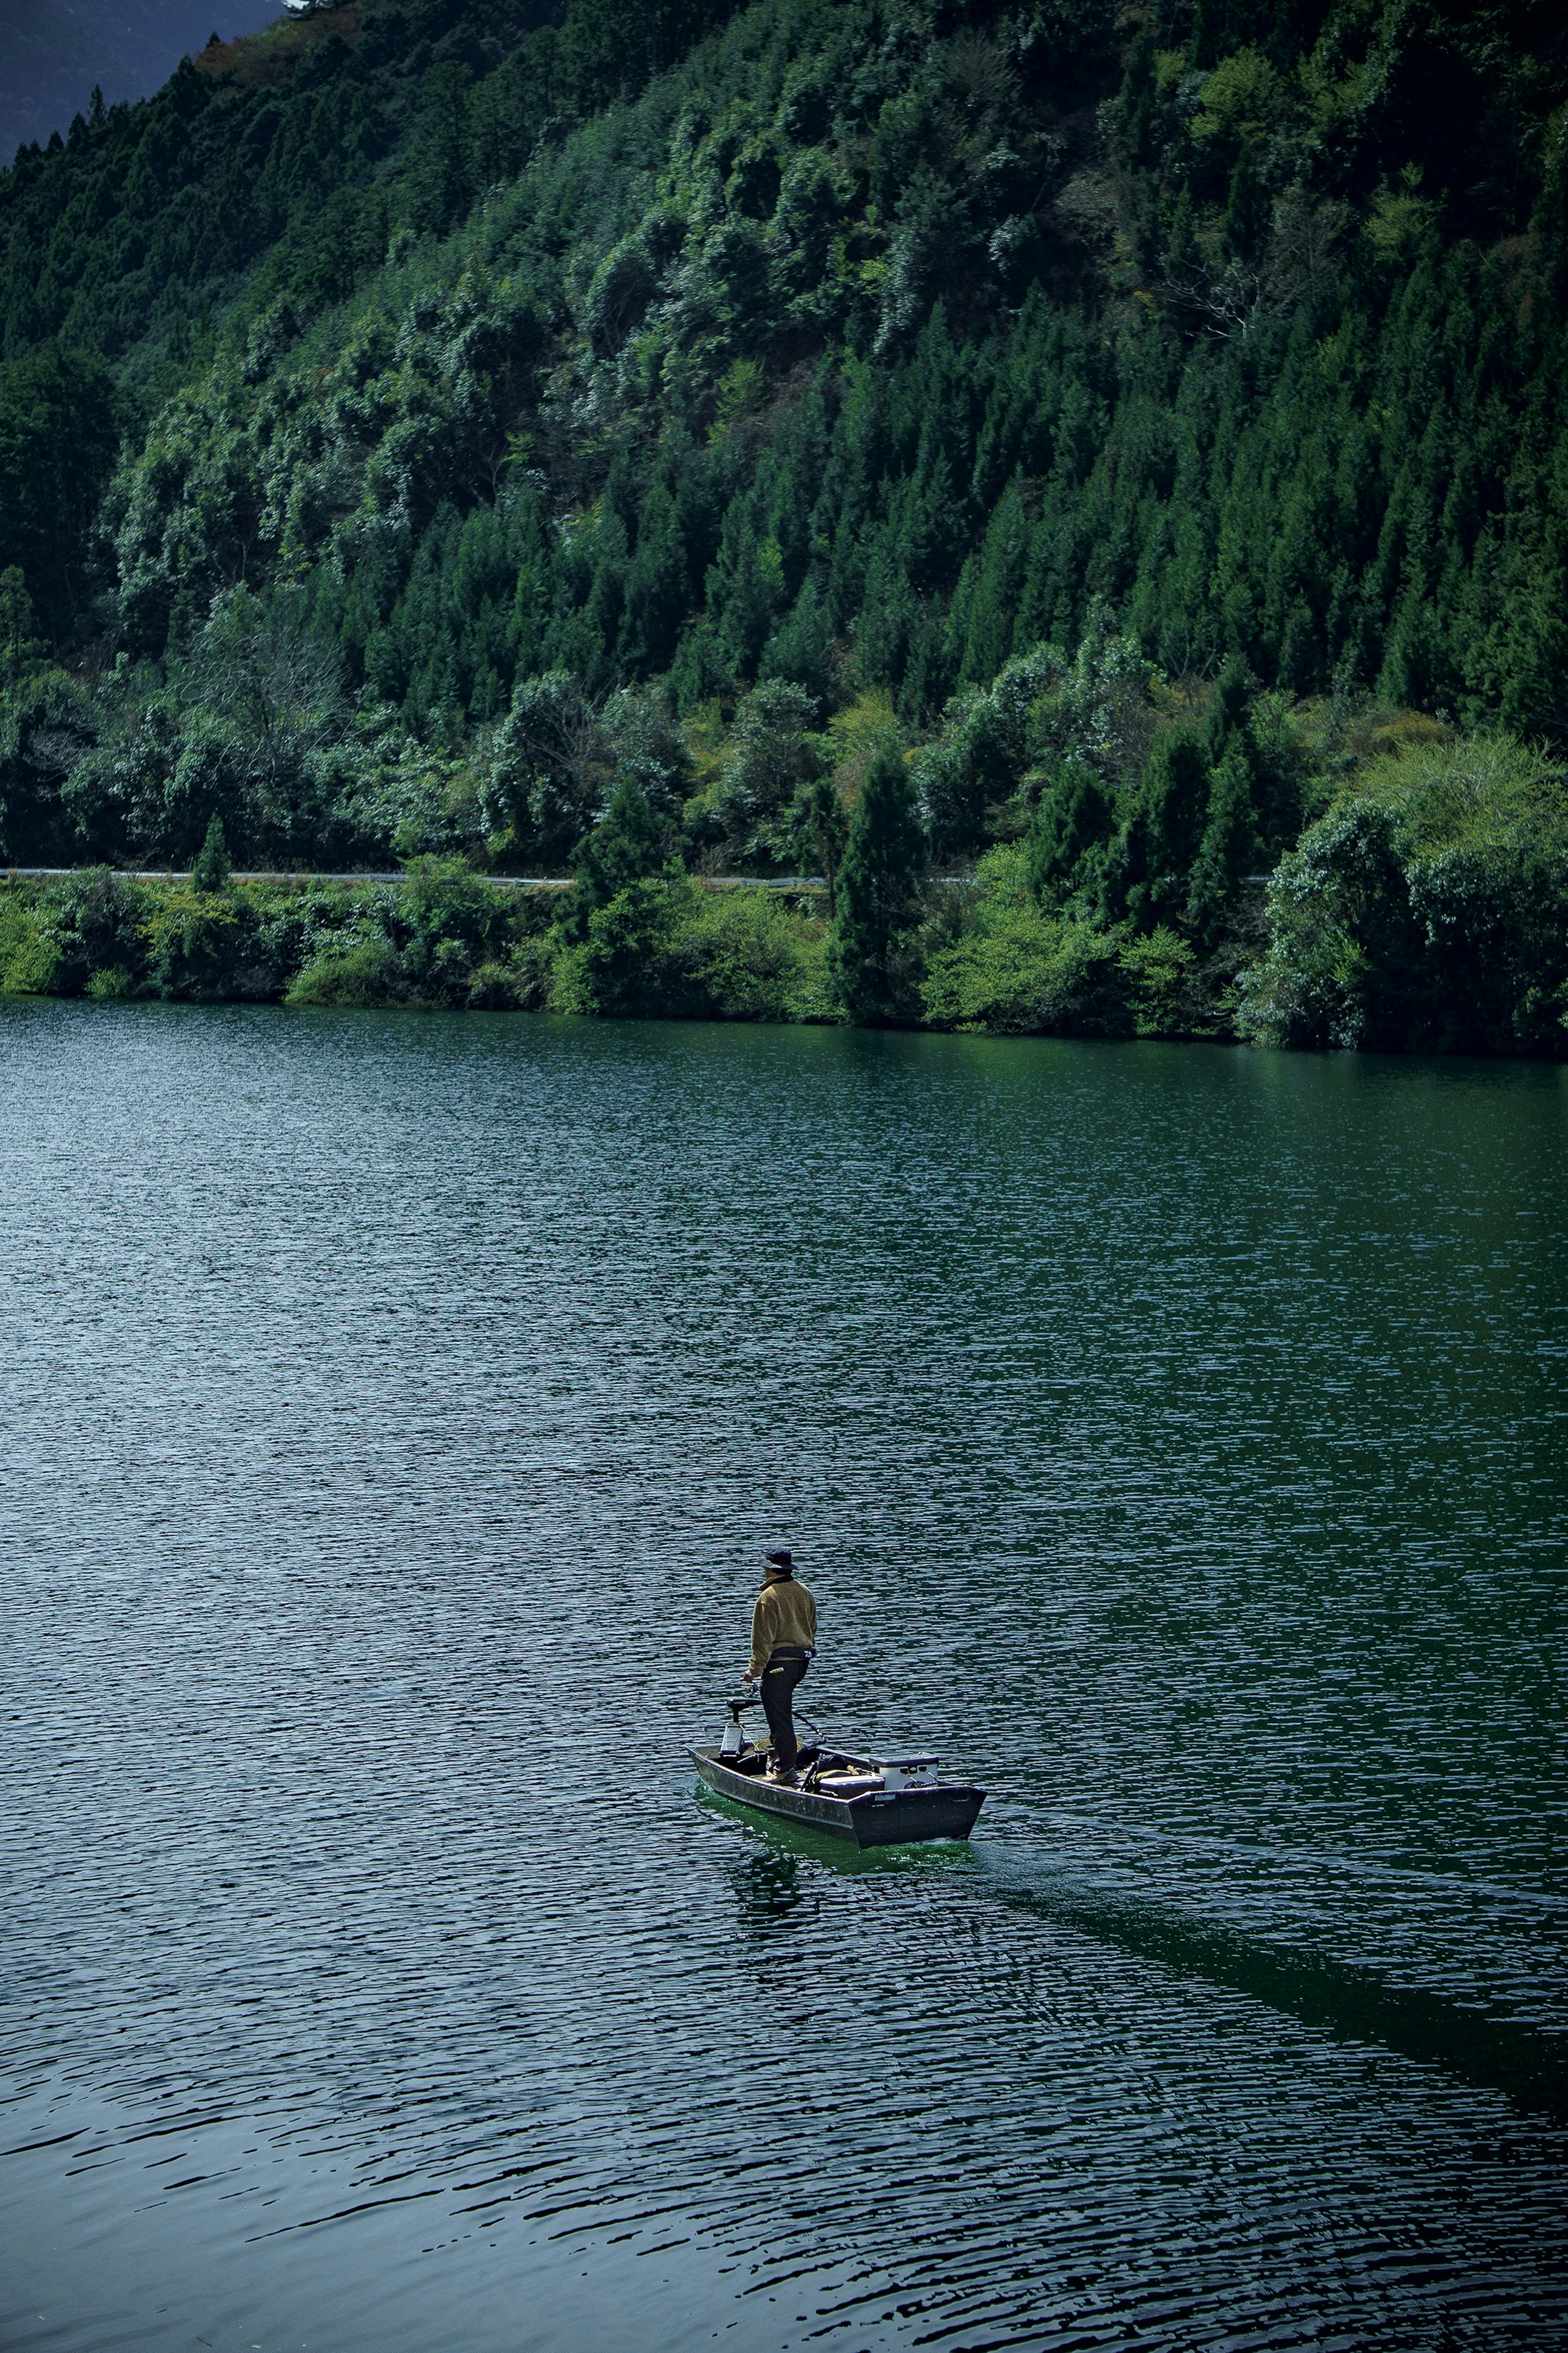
{"points": [[876, 1817]]}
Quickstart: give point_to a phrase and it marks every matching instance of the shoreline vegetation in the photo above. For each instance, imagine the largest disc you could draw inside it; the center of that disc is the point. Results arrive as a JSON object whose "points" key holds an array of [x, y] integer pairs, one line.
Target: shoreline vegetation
{"points": [[1090, 485], [1420, 910]]}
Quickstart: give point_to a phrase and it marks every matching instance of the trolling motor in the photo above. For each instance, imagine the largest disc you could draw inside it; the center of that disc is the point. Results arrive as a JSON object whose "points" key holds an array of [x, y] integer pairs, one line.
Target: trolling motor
{"points": [[732, 1743], [734, 1740]]}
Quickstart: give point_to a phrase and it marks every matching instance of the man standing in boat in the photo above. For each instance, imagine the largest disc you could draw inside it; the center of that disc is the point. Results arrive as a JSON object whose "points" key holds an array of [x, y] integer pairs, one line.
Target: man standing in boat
{"points": [[783, 1636]]}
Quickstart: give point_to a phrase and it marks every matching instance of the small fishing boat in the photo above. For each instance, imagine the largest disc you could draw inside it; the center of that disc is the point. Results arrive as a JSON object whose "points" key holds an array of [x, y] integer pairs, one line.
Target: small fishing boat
{"points": [[888, 1800]]}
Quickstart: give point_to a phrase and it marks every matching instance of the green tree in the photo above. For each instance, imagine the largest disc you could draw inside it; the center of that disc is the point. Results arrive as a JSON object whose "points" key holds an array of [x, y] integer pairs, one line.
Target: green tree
{"points": [[820, 830], [549, 773], [880, 891], [21, 653], [628, 847], [1231, 845], [1073, 820], [57, 441], [1161, 838], [441, 189], [213, 864], [773, 759]]}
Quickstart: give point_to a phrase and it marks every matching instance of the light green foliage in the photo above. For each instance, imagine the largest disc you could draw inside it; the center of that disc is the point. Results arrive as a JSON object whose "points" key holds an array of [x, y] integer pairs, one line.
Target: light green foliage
{"points": [[1015, 969], [426, 941], [444, 937], [1019, 968], [359, 972], [1424, 913], [30, 955], [54, 940], [742, 390], [753, 957], [668, 946], [1240, 102], [1162, 989], [1488, 795]]}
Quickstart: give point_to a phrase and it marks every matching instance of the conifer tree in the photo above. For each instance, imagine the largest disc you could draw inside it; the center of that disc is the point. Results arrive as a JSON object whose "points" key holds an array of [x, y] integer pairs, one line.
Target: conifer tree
{"points": [[1161, 838], [1072, 821], [879, 890], [1230, 846], [626, 847], [821, 829], [213, 864], [21, 653]]}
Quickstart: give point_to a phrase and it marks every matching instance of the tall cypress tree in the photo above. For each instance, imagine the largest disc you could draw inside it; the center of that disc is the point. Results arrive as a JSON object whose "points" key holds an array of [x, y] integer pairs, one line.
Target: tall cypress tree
{"points": [[879, 890], [1231, 843], [1072, 821], [1160, 838], [626, 847]]}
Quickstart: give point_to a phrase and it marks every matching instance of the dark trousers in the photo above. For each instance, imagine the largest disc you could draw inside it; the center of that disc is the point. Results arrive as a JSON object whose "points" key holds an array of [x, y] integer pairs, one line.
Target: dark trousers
{"points": [[780, 1677]]}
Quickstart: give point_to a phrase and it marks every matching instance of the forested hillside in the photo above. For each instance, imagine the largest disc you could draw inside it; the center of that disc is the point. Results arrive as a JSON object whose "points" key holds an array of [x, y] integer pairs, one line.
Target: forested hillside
{"points": [[1111, 455]]}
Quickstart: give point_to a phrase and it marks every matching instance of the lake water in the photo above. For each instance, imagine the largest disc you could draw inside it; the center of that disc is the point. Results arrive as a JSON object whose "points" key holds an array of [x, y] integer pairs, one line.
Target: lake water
{"points": [[394, 1409]]}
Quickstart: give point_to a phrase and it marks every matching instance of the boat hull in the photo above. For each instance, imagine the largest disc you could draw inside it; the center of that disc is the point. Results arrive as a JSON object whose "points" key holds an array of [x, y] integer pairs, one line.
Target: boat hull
{"points": [[880, 1817]]}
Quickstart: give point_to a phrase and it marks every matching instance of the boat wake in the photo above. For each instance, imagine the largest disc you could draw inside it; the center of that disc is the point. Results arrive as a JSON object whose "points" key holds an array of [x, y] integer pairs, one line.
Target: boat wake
{"points": [[1347, 2001]]}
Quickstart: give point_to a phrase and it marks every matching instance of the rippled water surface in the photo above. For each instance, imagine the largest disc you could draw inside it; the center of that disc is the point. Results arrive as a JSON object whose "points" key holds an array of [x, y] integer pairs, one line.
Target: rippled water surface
{"points": [[395, 1407]]}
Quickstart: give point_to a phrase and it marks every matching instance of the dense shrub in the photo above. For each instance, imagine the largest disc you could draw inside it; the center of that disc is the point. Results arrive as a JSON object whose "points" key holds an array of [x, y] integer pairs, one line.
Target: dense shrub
{"points": [[1018, 967], [1426, 912]]}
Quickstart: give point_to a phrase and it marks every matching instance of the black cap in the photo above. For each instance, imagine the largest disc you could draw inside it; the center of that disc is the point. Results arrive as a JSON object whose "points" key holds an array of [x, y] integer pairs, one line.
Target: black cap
{"points": [[783, 1560]]}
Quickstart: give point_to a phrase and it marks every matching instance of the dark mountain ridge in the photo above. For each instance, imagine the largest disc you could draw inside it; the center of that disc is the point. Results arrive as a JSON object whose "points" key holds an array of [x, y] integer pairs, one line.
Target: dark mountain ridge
{"points": [[54, 52]]}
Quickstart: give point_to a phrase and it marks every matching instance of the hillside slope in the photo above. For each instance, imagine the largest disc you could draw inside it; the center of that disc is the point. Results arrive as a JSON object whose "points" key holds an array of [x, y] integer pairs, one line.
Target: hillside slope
{"points": [[427, 419]]}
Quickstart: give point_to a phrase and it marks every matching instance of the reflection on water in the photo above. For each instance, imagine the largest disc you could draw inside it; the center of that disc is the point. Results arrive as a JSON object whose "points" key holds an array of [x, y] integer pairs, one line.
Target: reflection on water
{"points": [[767, 1889], [395, 1407]]}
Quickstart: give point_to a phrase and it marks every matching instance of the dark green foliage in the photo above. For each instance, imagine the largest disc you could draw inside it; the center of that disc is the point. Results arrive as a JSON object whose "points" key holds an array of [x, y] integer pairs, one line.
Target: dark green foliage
{"points": [[444, 937], [549, 775], [414, 424], [1424, 914], [47, 729], [626, 965], [879, 893], [1320, 395], [626, 847], [1320, 447], [1231, 846], [1149, 879], [213, 864], [978, 763], [752, 817], [21, 653], [1071, 825], [57, 441], [821, 830]]}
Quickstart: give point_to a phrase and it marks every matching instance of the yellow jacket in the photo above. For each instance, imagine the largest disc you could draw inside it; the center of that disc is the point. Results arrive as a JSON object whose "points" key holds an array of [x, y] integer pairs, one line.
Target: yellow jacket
{"points": [[785, 1612]]}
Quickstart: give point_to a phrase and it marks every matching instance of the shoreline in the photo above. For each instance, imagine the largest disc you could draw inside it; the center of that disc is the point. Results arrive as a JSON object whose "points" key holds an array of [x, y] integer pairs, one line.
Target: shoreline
{"points": [[438, 938]]}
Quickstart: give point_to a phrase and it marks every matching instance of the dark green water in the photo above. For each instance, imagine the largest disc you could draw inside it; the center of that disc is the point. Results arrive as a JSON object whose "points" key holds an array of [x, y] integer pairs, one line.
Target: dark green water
{"points": [[394, 1408]]}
